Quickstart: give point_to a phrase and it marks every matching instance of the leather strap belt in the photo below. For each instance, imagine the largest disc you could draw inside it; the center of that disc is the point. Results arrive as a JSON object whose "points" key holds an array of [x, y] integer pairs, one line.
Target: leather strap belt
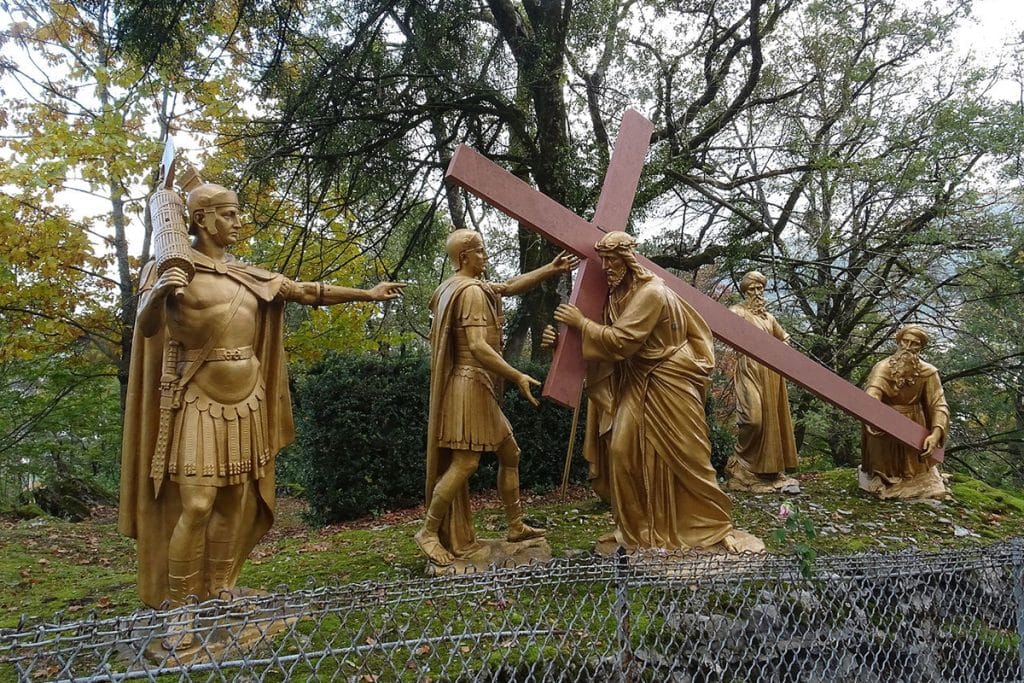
{"points": [[243, 353]]}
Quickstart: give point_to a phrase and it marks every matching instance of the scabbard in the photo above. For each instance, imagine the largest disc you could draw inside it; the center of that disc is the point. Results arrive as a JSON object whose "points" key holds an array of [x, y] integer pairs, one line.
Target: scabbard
{"points": [[170, 392]]}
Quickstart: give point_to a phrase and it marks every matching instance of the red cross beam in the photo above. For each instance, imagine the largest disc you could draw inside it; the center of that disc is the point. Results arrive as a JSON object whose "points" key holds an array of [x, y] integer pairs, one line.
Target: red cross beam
{"points": [[538, 212]]}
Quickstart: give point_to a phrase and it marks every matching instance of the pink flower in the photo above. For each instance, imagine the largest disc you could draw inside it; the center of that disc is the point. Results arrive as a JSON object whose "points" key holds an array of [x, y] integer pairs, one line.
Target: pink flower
{"points": [[785, 510]]}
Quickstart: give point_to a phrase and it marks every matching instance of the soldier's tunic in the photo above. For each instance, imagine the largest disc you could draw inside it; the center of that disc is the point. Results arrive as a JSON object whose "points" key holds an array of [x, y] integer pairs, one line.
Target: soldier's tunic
{"points": [[464, 398]]}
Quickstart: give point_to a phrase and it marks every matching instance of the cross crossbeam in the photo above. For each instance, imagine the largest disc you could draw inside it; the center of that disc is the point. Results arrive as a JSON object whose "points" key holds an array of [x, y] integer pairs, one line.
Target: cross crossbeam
{"points": [[538, 212]]}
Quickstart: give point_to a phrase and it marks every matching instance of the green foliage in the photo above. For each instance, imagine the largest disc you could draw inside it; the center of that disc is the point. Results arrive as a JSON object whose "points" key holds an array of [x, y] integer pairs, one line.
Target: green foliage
{"points": [[71, 497], [64, 421], [362, 430], [722, 435]]}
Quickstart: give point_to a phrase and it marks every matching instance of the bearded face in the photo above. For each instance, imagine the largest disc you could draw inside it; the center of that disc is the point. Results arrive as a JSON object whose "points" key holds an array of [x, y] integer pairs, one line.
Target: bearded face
{"points": [[755, 299], [905, 366], [614, 268]]}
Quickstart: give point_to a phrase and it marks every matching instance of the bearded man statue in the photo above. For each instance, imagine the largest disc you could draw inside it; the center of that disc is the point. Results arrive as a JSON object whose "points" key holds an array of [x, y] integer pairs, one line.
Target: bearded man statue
{"points": [[765, 445], [890, 469]]}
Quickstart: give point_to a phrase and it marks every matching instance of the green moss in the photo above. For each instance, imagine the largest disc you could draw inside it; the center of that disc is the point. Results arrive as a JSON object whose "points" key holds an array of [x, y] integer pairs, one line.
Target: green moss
{"points": [[49, 565], [979, 496]]}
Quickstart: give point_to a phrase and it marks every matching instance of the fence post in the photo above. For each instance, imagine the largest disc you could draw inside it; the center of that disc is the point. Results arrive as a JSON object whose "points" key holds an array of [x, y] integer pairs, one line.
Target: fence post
{"points": [[1017, 552], [622, 616]]}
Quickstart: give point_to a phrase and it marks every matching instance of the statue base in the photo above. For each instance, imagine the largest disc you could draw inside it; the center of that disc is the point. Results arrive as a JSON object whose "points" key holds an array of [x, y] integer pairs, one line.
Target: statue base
{"points": [[925, 486], [742, 479], [742, 542], [216, 630], [496, 553]]}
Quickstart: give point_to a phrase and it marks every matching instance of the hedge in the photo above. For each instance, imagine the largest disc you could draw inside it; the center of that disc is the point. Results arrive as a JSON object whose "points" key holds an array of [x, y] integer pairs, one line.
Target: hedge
{"points": [[361, 424]]}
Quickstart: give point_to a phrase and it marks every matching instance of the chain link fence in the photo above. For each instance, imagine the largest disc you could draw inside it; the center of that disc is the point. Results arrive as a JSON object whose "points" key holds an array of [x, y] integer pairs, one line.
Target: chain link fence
{"points": [[907, 617]]}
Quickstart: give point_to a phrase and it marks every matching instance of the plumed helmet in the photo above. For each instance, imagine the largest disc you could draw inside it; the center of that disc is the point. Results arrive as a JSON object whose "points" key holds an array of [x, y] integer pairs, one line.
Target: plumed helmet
{"points": [[209, 196]]}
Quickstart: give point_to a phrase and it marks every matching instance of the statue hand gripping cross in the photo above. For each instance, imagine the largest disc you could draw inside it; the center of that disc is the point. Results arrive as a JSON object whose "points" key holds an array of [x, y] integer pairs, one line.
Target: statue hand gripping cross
{"points": [[501, 189]]}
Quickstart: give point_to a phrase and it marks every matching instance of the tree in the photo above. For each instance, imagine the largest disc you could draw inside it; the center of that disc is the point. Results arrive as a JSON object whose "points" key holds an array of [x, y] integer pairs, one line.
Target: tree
{"points": [[366, 101], [862, 194]]}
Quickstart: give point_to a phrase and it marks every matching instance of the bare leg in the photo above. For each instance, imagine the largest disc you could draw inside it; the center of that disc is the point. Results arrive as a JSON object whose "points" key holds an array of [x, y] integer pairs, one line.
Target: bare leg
{"points": [[508, 489], [185, 555], [462, 467], [222, 537]]}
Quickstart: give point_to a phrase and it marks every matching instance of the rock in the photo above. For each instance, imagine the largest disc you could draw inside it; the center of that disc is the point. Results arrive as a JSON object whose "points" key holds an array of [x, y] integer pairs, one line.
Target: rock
{"points": [[71, 498]]}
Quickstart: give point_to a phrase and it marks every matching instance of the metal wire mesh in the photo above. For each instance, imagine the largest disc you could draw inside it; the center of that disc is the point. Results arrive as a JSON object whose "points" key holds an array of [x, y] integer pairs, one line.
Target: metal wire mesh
{"points": [[910, 616]]}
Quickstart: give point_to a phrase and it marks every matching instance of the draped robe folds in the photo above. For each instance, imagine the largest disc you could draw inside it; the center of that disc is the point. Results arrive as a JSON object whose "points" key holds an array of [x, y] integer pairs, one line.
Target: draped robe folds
{"points": [[150, 517], [765, 438], [924, 402], [647, 437], [456, 532]]}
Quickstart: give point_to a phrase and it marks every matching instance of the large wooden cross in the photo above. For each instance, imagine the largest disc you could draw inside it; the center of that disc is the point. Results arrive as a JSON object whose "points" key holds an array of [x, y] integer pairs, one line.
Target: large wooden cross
{"points": [[540, 213]]}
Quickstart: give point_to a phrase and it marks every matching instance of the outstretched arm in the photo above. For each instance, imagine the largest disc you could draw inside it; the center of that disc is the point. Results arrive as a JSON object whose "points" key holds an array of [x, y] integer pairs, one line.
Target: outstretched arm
{"points": [[320, 294], [563, 263]]}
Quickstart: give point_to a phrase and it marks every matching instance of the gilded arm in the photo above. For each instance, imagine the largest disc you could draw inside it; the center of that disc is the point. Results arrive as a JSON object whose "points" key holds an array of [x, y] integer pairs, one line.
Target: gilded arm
{"points": [[563, 263], [320, 294], [491, 360]]}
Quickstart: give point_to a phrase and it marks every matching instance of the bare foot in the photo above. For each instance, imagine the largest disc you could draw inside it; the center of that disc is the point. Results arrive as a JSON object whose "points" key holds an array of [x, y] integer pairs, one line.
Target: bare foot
{"points": [[729, 542], [431, 546], [522, 532]]}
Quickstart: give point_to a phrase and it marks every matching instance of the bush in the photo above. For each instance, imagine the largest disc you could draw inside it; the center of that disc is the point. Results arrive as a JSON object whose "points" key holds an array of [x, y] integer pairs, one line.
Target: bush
{"points": [[361, 436], [361, 424]]}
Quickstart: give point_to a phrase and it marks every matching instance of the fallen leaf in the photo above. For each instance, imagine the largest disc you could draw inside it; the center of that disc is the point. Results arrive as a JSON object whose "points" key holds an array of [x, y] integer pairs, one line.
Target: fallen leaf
{"points": [[423, 649]]}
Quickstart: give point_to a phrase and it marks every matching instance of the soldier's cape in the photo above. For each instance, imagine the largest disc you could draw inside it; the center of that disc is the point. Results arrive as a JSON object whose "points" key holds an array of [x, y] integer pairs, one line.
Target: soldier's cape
{"points": [[150, 519], [456, 532]]}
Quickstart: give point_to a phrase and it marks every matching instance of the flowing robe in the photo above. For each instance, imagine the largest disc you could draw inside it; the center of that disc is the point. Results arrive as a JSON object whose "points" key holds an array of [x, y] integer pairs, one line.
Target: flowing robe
{"points": [[923, 401], [149, 507], [464, 410], [647, 437], [765, 440]]}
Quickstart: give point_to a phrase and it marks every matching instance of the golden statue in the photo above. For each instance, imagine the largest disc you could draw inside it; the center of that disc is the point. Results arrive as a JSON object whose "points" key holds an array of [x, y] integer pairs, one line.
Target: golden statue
{"points": [[765, 446], [647, 437], [903, 381], [208, 406], [465, 419]]}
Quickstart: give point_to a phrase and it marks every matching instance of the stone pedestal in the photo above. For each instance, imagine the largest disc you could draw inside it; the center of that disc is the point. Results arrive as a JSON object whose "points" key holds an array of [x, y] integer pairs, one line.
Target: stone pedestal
{"points": [[742, 479], [496, 553], [925, 486], [215, 630]]}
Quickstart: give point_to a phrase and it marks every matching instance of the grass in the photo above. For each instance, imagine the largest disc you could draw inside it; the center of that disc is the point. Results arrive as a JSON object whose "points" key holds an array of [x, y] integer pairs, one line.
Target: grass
{"points": [[49, 566]]}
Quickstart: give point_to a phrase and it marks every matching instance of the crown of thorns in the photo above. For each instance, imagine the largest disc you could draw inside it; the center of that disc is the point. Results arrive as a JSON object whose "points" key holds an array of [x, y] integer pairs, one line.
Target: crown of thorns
{"points": [[615, 242]]}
